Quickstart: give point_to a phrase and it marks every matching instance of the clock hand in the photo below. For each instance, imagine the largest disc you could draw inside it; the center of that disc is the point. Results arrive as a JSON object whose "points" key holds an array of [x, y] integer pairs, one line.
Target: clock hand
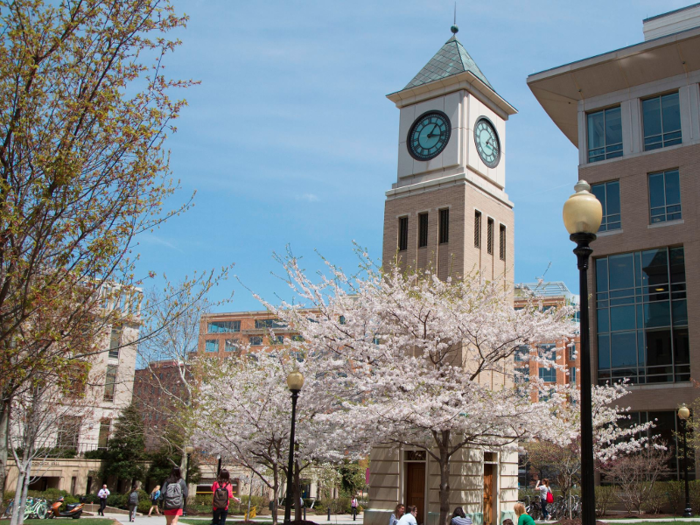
{"points": [[431, 134]]}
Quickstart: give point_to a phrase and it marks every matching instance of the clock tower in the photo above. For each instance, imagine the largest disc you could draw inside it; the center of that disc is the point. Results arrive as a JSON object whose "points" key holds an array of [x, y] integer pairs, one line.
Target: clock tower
{"points": [[448, 210]]}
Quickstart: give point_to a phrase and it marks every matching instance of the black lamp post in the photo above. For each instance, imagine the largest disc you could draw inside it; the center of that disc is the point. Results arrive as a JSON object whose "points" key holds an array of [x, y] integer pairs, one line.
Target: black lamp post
{"points": [[683, 415], [188, 450], [295, 380], [582, 217]]}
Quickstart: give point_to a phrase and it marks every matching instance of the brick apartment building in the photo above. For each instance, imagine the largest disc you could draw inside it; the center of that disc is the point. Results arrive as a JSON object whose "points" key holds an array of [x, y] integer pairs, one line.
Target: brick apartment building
{"points": [[634, 115], [225, 334], [158, 390], [549, 295]]}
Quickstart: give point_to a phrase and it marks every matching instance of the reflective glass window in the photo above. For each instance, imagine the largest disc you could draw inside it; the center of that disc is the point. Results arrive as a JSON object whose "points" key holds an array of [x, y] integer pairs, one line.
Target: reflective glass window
{"points": [[211, 345], [662, 121], [608, 193], [604, 134], [664, 196], [642, 316]]}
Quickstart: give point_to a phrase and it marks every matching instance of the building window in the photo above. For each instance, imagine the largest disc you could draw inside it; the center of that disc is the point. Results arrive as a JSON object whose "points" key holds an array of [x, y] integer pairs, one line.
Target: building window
{"points": [[642, 317], [548, 351], [489, 236], [223, 327], [502, 242], [444, 226], [522, 353], [667, 429], [403, 233], [231, 345], [572, 353], [422, 230], [548, 375], [269, 323], [68, 432], [572, 375], [664, 196], [604, 134], [255, 340], [211, 345], [104, 433], [114, 342], [477, 229], [608, 193], [277, 340], [110, 382], [662, 121]]}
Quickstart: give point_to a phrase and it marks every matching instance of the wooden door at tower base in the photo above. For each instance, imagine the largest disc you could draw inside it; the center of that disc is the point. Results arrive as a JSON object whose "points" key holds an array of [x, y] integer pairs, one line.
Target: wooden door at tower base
{"points": [[415, 488], [488, 495]]}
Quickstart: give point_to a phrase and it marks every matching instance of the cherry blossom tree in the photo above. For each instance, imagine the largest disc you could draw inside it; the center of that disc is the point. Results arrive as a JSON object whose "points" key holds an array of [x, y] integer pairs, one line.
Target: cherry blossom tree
{"points": [[426, 363], [244, 414], [614, 435]]}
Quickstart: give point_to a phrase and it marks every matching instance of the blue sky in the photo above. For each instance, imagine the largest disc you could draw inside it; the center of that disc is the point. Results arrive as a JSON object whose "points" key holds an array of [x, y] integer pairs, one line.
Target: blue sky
{"points": [[290, 140]]}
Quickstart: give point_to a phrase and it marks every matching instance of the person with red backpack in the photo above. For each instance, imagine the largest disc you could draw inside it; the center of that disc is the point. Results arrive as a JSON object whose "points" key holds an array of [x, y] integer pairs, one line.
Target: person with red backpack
{"points": [[223, 492]]}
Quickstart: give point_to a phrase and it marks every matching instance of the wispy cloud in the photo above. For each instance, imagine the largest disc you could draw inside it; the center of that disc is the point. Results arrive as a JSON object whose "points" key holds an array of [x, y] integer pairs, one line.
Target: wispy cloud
{"points": [[148, 238], [308, 197]]}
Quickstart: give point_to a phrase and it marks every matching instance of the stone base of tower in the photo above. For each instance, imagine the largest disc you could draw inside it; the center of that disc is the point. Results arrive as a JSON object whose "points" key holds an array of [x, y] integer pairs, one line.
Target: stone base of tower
{"points": [[483, 483]]}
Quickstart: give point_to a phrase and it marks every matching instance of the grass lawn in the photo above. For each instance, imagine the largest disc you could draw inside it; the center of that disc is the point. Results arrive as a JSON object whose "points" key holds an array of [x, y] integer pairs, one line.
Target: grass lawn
{"points": [[643, 522], [58, 521], [229, 521]]}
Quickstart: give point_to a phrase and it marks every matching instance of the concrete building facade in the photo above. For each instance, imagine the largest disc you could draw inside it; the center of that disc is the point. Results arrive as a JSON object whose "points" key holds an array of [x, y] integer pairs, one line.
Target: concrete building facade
{"points": [[448, 212], [634, 115], [108, 391]]}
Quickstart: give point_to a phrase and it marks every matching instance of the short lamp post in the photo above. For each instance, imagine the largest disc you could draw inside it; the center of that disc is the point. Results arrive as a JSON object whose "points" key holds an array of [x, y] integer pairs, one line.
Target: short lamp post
{"points": [[188, 450], [683, 415], [582, 217], [295, 381]]}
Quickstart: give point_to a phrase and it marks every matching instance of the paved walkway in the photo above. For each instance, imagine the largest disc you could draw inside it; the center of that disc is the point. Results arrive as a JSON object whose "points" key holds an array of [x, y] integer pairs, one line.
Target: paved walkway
{"points": [[643, 517], [336, 519]]}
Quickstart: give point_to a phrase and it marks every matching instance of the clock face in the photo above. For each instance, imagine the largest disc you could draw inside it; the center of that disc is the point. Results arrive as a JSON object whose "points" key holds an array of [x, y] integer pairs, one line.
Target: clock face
{"points": [[429, 135], [487, 143]]}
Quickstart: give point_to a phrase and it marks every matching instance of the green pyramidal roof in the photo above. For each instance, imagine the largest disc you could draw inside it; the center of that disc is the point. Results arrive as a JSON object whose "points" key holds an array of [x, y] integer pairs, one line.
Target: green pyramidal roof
{"points": [[452, 59]]}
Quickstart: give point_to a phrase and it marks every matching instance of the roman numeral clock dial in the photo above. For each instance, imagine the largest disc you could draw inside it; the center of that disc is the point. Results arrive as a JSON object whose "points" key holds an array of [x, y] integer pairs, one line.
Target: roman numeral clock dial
{"points": [[429, 135], [487, 143]]}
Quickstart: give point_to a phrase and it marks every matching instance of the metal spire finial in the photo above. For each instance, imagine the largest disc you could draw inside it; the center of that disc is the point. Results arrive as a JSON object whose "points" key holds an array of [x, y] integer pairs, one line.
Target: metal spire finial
{"points": [[454, 27]]}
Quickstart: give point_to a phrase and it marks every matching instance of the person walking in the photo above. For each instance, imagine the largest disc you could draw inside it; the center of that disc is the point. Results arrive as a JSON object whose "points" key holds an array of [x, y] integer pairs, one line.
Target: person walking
{"points": [[223, 492], [410, 517], [398, 513], [155, 496], [523, 517], [133, 502], [174, 496], [460, 518], [353, 507], [546, 496], [102, 495]]}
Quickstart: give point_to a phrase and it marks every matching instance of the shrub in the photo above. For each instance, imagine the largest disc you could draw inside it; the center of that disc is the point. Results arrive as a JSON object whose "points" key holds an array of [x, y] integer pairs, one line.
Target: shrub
{"points": [[144, 506], [258, 502], [91, 498], [117, 500], [656, 499], [605, 496], [98, 453], [203, 499], [675, 496]]}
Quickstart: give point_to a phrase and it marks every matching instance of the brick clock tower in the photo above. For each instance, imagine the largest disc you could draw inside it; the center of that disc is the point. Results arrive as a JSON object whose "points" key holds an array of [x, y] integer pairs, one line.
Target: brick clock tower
{"points": [[448, 209]]}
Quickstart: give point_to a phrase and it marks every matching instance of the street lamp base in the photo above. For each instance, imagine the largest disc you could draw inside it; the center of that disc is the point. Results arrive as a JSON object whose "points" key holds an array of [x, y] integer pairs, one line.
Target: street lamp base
{"points": [[688, 512]]}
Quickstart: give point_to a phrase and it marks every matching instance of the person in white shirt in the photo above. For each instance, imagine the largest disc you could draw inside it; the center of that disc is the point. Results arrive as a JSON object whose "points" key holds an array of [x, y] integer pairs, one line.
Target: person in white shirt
{"points": [[102, 495], [410, 517], [544, 490], [460, 518]]}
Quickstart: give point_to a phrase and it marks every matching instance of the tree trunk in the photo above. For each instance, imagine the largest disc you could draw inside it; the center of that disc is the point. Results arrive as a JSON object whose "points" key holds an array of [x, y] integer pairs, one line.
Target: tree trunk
{"points": [[25, 489], [444, 464], [297, 493], [4, 435], [14, 520], [275, 492]]}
